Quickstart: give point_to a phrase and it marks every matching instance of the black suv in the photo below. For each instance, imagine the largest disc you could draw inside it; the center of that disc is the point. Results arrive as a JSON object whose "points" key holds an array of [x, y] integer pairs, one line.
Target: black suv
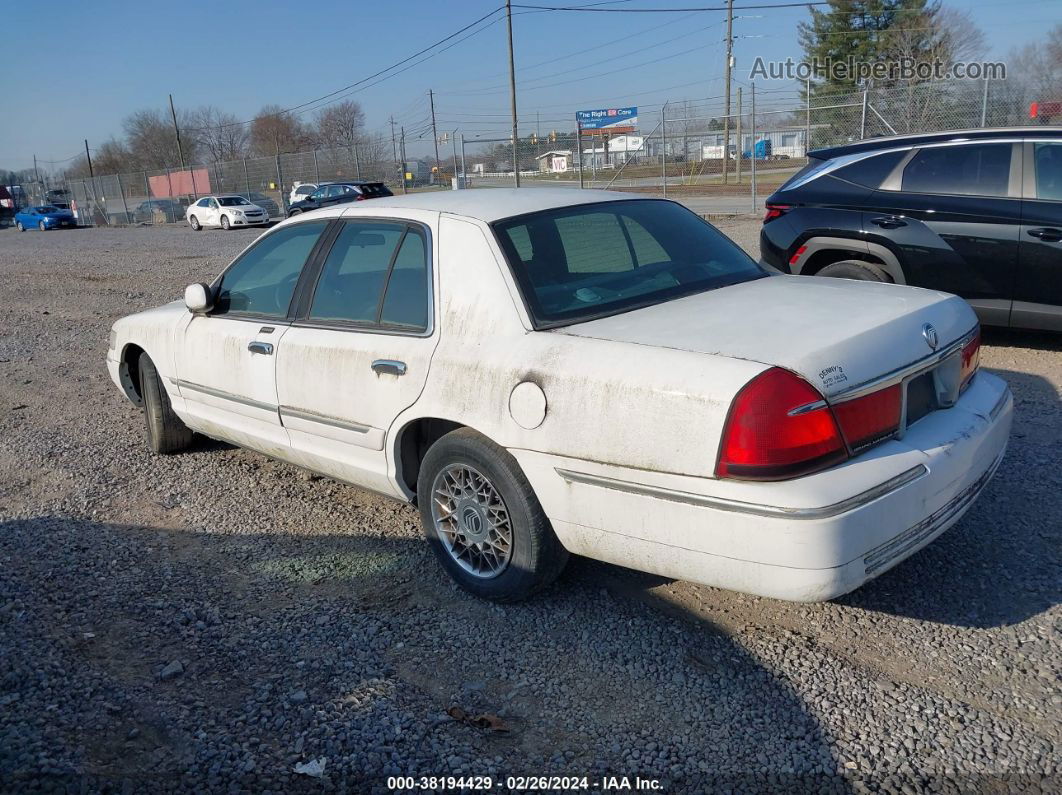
{"points": [[977, 213], [330, 193]]}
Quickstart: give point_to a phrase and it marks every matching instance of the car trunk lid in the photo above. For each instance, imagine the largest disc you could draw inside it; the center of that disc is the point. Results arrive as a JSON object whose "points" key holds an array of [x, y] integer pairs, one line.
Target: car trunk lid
{"points": [[836, 333]]}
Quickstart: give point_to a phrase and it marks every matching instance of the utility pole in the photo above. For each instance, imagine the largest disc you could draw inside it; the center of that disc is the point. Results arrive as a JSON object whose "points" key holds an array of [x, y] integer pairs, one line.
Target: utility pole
{"points": [[726, 89], [402, 151], [740, 145], [807, 123], [37, 174], [434, 134], [177, 132], [512, 93]]}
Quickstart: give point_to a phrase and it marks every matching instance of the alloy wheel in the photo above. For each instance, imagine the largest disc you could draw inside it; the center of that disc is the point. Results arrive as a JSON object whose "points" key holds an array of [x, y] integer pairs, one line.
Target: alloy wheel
{"points": [[471, 521]]}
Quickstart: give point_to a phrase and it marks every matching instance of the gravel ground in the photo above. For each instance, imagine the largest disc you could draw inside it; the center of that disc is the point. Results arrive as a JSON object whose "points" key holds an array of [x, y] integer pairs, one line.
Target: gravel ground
{"points": [[212, 620]]}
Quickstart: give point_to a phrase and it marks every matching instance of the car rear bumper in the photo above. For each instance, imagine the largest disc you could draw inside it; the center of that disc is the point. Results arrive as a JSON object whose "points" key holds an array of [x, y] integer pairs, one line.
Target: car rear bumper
{"points": [[809, 539]]}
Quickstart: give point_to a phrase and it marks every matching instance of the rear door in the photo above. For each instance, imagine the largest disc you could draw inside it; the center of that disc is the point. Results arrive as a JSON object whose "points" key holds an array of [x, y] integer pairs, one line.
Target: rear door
{"points": [[226, 358], [357, 354], [953, 212], [1038, 287]]}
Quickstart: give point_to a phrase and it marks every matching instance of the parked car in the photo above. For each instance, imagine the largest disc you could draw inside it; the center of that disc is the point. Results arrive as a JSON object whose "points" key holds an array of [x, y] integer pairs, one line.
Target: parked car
{"points": [[225, 212], [7, 204], [977, 213], [44, 217], [151, 210], [332, 193], [58, 197], [266, 203], [550, 371], [300, 190]]}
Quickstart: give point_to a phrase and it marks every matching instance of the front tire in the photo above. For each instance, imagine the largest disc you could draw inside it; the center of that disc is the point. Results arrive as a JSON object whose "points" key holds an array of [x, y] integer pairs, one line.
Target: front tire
{"points": [[293, 213], [19, 226], [194, 223], [42, 226], [165, 431], [225, 223], [483, 521], [855, 269]]}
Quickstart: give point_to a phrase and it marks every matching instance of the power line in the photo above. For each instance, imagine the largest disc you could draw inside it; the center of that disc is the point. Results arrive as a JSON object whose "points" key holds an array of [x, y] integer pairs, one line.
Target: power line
{"points": [[671, 10]]}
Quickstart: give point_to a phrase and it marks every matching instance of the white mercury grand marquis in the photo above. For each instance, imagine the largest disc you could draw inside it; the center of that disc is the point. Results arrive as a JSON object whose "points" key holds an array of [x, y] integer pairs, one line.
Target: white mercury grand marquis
{"points": [[547, 372]]}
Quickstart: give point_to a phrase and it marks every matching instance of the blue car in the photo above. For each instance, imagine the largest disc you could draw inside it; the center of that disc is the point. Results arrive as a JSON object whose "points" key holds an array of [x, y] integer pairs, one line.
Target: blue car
{"points": [[44, 218]]}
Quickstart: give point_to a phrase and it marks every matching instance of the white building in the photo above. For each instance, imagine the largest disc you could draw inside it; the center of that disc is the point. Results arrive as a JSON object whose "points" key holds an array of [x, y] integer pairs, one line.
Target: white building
{"points": [[556, 161]]}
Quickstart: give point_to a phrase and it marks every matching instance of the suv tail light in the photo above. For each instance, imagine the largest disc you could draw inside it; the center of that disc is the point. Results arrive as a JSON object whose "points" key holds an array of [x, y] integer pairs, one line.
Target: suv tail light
{"points": [[764, 439], [971, 360], [775, 211]]}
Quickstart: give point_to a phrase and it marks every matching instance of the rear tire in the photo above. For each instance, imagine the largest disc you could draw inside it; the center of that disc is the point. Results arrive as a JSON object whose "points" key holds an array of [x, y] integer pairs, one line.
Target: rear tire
{"points": [[194, 223], [468, 484], [855, 269], [225, 223], [165, 431]]}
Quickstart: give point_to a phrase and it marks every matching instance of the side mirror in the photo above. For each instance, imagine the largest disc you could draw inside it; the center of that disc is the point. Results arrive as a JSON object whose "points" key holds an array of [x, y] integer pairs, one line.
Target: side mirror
{"points": [[197, 297]]}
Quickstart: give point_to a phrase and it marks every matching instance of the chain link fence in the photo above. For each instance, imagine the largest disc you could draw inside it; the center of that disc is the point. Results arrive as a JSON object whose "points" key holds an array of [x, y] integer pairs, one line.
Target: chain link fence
{"points": [[684, 149]]}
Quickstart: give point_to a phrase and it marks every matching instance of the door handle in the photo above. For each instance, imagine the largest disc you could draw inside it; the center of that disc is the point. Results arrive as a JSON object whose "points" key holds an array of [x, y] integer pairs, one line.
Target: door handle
{"points": [[260, 347], [889, 222], [389, 366], [1048, 235]]}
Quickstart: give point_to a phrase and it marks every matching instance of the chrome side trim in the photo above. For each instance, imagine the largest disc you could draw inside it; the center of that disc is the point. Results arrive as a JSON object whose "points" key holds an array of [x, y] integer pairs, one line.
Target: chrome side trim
{"points": [[738, 506], [309, 416], [902, 373], [220, 393]]}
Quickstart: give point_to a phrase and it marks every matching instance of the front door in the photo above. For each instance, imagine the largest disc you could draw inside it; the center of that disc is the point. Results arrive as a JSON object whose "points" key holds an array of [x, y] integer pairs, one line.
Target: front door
{"points": [[226, 358], [357, 355], [1038, 288], [955, 220]]}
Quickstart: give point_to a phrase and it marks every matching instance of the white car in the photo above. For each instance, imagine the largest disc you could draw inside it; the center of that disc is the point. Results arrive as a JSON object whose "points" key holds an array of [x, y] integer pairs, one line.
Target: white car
{"points": [[300, 191], [225, 212], [550, 371]]}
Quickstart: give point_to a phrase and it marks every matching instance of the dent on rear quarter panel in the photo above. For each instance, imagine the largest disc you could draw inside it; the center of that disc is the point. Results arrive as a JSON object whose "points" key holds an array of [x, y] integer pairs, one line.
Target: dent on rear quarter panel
{"points": [[619, 403]]}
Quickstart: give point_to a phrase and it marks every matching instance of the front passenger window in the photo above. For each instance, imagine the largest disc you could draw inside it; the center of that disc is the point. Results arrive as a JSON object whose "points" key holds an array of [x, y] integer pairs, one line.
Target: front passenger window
{"points": [[966, 170], [262, 281]]}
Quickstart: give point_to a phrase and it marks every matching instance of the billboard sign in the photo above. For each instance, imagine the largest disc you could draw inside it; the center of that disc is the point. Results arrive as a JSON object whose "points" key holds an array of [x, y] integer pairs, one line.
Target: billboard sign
{"points": [[607, 120]]}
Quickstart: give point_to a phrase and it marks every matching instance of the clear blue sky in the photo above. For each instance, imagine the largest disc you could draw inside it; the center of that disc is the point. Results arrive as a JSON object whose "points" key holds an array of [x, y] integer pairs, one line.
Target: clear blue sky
{"points": [[82, 67]]}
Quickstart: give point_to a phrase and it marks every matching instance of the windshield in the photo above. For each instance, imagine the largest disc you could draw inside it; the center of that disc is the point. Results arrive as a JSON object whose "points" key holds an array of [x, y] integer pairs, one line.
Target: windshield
{"points": [[578, 263], [232, 201], [48, 209]]}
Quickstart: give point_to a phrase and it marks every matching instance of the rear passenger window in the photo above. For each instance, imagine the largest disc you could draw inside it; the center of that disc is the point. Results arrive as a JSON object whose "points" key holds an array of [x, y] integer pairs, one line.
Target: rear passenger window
{"points": [[968, 170], [871, 171], [375, 273], [1047, 159]]}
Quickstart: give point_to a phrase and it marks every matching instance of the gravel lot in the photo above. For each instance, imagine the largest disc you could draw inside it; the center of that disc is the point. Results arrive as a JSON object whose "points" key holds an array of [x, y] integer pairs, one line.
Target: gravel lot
{"points": [[211, 620]]}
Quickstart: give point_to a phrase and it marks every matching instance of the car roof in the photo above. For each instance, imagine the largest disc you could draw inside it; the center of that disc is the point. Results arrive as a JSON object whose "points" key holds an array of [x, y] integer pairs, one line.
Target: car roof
{"points": [[489, 204], [980, 134]]}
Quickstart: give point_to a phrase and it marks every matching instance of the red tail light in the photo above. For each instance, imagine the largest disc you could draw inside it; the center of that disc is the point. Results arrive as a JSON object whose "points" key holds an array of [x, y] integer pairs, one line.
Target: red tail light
{"points": [[871, 418], [971, 360], [763, 440], [360, 197], [775, 211]]}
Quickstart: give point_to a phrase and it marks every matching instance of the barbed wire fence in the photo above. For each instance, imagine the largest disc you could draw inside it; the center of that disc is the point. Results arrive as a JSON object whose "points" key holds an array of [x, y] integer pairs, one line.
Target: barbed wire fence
{"points": [[681, 150]]}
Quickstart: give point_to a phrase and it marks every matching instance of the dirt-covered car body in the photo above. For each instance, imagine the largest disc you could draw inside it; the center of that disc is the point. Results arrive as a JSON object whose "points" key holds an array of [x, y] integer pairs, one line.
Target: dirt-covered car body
{"points": [[634, 422]]}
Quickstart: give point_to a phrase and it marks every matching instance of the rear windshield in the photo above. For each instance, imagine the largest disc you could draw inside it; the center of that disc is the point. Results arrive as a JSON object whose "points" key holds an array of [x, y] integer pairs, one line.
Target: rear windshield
{"points": [[578, 263], [232, 201], [48, 209], [374, 189], [813, 167]]}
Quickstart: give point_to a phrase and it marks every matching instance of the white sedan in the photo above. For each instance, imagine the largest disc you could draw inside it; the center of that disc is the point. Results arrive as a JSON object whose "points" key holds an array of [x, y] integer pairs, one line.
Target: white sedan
{"points": [[225, 212], [546, 372]]}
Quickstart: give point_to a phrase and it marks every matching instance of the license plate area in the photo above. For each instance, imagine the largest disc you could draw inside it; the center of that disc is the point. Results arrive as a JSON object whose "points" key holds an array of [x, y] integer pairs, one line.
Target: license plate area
{"points": [[921, 397]]}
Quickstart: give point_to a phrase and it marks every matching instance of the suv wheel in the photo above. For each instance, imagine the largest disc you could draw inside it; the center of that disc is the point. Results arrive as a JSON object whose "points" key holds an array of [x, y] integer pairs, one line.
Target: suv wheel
{"points": [[855, 269]]}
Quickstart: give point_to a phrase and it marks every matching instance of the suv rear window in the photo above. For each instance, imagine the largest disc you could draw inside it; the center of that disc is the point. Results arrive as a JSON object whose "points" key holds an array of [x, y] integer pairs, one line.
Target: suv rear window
{"points": [[967, 170], [374, 189], [871, 171]]}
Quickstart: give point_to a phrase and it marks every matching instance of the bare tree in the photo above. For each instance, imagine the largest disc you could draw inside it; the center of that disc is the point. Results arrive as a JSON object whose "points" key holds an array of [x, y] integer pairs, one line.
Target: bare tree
{"points": [[219, 135], [150, 138], [1034, 74], [113, 157], [341, 124], [276, 131]]}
